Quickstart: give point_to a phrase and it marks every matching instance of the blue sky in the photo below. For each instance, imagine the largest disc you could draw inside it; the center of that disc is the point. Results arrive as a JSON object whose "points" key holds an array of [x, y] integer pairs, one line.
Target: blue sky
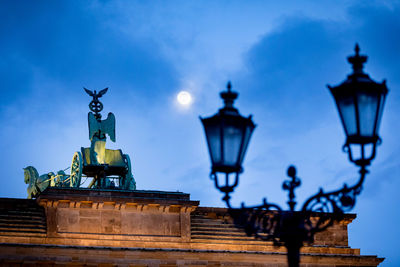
{"points": [[279, 56]]}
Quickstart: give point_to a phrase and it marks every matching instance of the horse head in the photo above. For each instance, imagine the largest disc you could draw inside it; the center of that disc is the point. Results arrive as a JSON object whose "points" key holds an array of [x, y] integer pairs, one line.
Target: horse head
{"points": [[30, 174]]}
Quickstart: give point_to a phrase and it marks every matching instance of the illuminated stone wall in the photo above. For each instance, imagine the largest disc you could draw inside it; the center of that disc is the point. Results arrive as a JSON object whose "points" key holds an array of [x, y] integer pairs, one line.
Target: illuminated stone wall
{"points": [[84, 227]]}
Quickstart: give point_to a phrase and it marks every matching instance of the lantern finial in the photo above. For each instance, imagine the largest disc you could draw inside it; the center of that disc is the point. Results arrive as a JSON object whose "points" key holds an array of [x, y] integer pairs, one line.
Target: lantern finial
{"points": [[229, 97], [357, 49], [357, 61]]}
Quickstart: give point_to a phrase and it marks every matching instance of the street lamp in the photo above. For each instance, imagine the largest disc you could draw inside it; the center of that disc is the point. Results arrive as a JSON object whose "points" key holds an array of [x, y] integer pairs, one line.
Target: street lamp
{"points": [[360, 102], [228, 135]]}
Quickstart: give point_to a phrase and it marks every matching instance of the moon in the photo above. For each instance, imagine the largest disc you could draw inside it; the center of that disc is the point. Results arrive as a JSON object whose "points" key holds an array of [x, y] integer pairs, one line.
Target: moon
{"points": [[184, 98]]}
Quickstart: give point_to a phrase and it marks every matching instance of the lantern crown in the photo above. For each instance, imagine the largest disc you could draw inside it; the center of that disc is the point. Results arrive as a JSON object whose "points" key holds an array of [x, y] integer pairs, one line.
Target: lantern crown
{"points": [[229, 98], [357, 61]]}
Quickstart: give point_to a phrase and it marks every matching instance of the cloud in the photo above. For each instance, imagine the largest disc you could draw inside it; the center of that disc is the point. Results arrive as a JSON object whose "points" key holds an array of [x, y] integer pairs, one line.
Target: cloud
{"points": [[284, 87], [74, 45]]}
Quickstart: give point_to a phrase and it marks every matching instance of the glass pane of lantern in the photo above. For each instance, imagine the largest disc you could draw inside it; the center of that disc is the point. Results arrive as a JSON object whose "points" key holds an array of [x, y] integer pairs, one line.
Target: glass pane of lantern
{"points": [[213, 132], [348, 114], [382, 103], [247, 134], [367, 109], [232, 144]]}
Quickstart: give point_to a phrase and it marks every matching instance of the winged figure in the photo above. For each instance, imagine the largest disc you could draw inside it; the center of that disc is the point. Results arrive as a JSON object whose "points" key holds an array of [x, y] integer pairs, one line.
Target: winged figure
{"points": [[106, 126]]}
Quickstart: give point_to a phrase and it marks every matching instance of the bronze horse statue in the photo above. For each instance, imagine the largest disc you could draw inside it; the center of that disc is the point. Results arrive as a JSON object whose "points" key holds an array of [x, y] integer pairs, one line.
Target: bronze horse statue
{"points": [[37, 184]]}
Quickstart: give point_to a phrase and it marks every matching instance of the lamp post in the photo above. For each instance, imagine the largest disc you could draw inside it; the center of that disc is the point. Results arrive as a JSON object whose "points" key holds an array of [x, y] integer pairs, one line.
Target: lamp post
{"points": [[360, 102]]}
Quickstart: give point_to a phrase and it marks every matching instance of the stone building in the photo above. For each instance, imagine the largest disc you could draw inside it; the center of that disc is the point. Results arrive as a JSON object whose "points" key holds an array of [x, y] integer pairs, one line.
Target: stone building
{"points": [[98, 227]]}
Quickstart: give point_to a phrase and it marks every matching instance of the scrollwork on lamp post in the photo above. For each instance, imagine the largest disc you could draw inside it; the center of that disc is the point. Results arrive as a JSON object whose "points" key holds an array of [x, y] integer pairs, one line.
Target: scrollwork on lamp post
{"points": [[360, 102]]}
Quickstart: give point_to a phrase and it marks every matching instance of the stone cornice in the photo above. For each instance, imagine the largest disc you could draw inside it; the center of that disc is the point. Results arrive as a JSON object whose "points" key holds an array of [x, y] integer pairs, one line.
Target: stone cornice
{"points": [[114, 205], [115, 199]]}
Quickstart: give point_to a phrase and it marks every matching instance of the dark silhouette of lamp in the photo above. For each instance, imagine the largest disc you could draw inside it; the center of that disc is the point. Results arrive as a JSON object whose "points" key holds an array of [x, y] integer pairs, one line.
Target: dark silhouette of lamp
{"points": [[360, 102], [228, 135]]}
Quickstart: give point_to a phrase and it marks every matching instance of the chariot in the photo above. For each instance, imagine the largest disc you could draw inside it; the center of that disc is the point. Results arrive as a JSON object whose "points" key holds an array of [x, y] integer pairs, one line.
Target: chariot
{"points": [[114, 172]]}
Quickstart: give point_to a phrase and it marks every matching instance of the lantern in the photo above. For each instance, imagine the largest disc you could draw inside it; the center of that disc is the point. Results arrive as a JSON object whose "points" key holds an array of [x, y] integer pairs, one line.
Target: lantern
{"points": [[360, 102], [228, 135]]}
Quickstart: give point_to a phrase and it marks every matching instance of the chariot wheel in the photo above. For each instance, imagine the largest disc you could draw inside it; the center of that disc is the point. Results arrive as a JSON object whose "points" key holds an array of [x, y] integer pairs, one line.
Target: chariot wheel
{"points": [[76, 170], [129, 181], [127, 162]]}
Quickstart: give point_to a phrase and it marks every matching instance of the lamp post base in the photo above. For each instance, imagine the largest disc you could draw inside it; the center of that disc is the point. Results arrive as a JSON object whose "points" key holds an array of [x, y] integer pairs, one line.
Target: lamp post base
{"points": [[293, 253]]}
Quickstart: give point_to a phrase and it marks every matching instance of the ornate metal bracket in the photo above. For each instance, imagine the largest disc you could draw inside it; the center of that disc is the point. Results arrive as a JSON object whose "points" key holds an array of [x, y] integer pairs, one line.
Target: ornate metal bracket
{"points": [[269, 222]]}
